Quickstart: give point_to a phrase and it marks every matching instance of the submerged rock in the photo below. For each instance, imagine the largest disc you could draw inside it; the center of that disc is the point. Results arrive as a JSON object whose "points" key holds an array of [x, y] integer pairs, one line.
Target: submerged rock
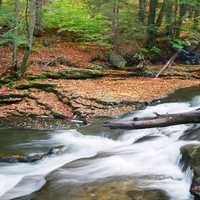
{"points": [[192, 133], [191, 158], [116, 190], [32, 158]]}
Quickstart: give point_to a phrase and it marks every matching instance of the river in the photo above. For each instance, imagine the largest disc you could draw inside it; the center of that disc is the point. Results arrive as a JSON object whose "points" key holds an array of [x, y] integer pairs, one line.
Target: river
{"points": [[92, 153]]}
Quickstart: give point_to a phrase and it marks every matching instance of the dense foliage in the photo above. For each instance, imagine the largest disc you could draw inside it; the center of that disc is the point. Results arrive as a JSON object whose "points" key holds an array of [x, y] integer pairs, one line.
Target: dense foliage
{"points": [[145, 23]]}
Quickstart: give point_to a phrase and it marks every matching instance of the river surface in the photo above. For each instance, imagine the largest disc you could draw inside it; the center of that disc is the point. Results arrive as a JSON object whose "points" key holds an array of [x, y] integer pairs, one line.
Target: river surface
{"points": [[94, 153]]}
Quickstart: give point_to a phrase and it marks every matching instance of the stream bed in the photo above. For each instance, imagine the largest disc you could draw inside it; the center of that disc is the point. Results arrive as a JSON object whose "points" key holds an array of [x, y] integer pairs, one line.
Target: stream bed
{"points": [[91, 154]]}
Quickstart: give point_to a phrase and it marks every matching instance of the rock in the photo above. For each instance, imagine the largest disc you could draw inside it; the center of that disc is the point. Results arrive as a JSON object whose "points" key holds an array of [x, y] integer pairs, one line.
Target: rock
{"points": [[147, 195], [191, 158], [11, 98], [69, 73], [42, 86], [22, 158], [119, 189], [146, 138], [57, 61], [32, 158], [117, 61], [192, 133], [189, 56], [56, 150]]}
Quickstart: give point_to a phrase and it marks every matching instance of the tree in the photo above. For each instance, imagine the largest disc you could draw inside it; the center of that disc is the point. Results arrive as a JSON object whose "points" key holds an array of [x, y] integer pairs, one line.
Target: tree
{"points": [[115, 25], [169, 18], [38, 20], [142, 11], [151, 30], [30, 26], [15, 46]]}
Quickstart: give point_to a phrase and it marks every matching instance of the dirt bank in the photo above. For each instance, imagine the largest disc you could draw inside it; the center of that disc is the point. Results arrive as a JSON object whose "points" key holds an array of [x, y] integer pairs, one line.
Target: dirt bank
{"points": [[83, 99], [72, 81]]}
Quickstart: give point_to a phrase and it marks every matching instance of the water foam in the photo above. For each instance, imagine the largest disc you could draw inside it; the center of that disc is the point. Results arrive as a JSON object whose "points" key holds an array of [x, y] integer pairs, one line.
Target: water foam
{"points": [[157, 158]]}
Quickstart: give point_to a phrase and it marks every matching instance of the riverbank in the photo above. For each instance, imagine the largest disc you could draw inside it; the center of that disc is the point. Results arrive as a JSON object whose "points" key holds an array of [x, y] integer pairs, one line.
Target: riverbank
{"points": [[68, 81], [66, 100]]}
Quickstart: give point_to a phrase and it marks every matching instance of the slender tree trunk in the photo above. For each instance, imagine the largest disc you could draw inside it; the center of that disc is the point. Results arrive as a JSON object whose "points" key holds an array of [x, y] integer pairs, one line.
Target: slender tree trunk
{"points": [[161, 13], [196, 18], [142, 11], [152, 23], [169, 18], [115, 25], [38, 20], [182, 13], [15, 48], [30, 25]]}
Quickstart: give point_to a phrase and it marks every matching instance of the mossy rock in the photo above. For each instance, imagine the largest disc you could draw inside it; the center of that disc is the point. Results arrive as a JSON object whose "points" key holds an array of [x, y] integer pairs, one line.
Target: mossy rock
{"points": [[191, 155], [43, 86], [191, 158], [70, 73], [117, 60], [116, 190]]}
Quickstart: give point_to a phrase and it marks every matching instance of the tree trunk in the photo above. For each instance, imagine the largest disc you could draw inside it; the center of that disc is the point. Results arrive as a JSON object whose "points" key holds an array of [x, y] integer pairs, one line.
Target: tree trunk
{"points": [[176, 14], [157, 121], [38, 18], [115, 26], [30, 24], [152, 23], [15, 48], [169, 18], [196, 18], [182, 14], [142, 11], [161, 14]]}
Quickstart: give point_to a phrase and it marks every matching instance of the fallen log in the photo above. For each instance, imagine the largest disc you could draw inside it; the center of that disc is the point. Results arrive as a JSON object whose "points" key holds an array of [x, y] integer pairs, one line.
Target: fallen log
{"points": [[156, 121], [69, 73]]}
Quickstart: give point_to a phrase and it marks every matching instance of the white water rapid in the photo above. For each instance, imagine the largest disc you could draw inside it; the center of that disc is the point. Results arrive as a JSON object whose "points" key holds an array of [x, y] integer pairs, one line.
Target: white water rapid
{"points": [[151, 152]]}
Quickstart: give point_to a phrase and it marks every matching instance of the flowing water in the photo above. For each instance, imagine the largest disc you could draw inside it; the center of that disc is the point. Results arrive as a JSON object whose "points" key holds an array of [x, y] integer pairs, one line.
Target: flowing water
{"points": [[93, 153]]}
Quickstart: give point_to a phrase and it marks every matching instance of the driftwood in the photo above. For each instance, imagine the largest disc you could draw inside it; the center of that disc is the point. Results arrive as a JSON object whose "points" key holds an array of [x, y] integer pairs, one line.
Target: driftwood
{"points": [[156, 121]]}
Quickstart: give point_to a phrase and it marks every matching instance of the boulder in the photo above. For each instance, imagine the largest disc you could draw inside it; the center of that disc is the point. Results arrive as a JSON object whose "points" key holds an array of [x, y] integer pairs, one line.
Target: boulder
{"points": [[191, 158], [188, 55], [117, 60], [192, 133], [57, 61], [118, 189], [32, 158]]}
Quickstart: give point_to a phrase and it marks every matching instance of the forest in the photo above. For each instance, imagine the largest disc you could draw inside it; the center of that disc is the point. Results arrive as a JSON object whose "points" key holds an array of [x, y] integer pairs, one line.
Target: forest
{"points": [[136, 32], [100, 99]]}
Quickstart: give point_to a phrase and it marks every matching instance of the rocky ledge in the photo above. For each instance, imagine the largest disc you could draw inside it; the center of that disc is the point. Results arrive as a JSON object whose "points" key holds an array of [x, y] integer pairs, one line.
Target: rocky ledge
{"points": [[32, 158], [118, 189], [82, 100], [191, 159]]}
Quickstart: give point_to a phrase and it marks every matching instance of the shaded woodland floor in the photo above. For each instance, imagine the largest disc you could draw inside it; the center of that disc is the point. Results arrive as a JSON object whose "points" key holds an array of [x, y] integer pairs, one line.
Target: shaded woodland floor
{"points": [[68, 80]]}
